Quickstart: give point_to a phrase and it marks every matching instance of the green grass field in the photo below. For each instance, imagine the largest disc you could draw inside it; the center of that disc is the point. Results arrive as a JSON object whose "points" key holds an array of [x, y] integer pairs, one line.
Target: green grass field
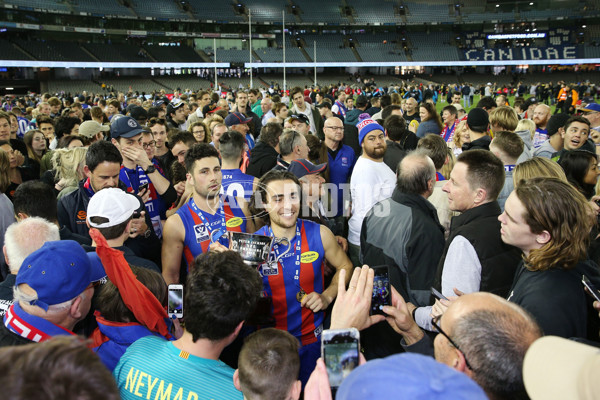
{"points": [[511, 99]]}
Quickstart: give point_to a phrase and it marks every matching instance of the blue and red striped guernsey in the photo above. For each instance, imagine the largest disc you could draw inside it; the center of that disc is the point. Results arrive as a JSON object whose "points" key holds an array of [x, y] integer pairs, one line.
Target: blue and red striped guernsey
{"points": [[234, 219], [283, 288]]}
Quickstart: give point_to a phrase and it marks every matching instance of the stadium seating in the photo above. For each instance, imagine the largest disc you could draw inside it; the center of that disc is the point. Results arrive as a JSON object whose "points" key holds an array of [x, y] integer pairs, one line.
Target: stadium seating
{"points": [[173, 54], [421, 13], [214, 10], [50, 51], [373, 12], [116, 52], [73, 86], [104, 7], [10, 52], [433, 46], [42, 4], [158, 9], [382, 47], [319, 11]]}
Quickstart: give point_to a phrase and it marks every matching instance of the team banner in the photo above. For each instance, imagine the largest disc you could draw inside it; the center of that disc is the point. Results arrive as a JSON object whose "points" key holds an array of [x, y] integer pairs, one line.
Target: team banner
{"points": [[523, 53]]}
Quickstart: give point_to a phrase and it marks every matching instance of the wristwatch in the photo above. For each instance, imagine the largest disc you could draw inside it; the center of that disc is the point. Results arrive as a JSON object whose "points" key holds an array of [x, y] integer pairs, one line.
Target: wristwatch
{"points": [[150, 169]]}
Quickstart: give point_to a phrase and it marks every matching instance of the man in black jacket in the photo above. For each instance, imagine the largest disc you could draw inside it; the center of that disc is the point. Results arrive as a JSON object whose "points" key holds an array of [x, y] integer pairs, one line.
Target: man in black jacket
{"points": [[403, 232], [475, 259], [263, 156], [103, 164]]}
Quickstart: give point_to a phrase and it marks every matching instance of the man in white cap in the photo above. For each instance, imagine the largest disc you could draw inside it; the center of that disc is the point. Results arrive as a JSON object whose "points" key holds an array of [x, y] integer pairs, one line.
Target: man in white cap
{"points": [[111, 211], [558, 368]]}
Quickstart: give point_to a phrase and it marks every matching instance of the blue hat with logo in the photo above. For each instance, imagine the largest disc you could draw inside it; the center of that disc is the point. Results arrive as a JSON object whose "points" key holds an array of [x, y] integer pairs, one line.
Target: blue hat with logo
{"points": [[58, 271], [367, 125], [591, 107], [408, 376], [125, 127]]}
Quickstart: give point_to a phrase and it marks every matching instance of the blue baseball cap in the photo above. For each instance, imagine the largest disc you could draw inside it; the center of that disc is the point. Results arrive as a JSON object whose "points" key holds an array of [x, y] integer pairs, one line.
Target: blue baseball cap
{"points": [[592, 107], [58, 271], [236, 118], [408, 376], [125, 127], [302, 167]]}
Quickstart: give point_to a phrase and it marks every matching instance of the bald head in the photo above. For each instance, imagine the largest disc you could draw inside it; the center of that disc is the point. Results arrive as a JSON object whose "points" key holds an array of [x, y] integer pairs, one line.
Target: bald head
{"points": [[411, 105], [493, 335], [416, 174]]}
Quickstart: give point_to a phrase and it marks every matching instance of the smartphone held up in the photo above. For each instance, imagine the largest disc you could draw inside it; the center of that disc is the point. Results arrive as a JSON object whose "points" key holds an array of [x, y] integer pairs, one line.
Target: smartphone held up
{"points": [[340, 349]]}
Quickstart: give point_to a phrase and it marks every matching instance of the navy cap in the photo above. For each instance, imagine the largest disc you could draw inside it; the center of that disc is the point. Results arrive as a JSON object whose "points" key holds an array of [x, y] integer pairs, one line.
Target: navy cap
{"points": [[58, 271], [303, 167], [299, 117], [125, 127], [236, 118]]}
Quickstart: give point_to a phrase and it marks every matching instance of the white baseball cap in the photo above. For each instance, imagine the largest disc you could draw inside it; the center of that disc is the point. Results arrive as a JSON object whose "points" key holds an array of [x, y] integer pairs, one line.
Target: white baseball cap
{"points": [[558, 368], [113, 204]]}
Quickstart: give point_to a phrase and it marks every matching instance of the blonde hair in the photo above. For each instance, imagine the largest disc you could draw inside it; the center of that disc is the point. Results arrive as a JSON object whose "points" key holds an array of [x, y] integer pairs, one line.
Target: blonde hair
{"points": [[538, 167], [504, 117], [447, 168], [68, 164], [460, 127], [526, 125]]}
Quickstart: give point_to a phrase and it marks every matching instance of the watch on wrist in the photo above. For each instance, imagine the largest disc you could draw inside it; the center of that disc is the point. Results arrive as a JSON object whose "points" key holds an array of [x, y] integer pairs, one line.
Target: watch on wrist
{"points": [[150, 169]]}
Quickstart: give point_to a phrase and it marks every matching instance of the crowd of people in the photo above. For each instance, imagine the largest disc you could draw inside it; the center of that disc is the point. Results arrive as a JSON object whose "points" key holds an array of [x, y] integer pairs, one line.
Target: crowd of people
{"points": [[108, 202]]}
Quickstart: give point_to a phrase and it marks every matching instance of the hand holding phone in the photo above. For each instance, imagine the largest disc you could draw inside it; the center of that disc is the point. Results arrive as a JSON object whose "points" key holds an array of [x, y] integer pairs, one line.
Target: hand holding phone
{"points": [[382, 294], [175, 307], [340, 352], [591, 288], [437, 294], [143, 186]]}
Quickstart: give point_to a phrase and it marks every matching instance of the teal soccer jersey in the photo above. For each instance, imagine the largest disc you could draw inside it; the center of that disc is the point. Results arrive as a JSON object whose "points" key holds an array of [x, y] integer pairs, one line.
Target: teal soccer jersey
{"points": [[153, 368]]}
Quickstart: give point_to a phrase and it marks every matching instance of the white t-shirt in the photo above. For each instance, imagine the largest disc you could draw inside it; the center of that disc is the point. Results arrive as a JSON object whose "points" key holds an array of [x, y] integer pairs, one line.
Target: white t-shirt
{"points": [[370, 183]]}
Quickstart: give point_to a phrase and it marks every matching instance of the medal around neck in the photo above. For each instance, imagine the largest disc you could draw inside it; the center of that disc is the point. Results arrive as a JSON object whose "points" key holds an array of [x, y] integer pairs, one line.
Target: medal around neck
{"points": [[254, 249]]}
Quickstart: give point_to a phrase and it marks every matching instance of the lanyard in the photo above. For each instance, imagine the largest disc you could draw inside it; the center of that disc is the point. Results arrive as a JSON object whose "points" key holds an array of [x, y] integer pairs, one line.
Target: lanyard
{"points": [[220, 213], [297, 251], [129, 174], [509, 168]]}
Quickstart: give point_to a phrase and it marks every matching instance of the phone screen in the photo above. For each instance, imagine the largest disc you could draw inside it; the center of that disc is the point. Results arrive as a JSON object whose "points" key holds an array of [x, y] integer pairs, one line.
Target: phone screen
{"points": [[176, 301], [382, 295], [341, 357]]}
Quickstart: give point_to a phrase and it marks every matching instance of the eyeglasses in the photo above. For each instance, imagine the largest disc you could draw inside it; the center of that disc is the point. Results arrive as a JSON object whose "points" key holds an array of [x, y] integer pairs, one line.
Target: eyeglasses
{"points": [[335, 128], [434, 322], [151, 144]]}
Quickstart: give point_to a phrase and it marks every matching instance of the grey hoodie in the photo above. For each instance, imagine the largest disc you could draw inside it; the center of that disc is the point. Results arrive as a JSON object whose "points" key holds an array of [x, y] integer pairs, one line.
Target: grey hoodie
{"points": [[526, 136]]}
